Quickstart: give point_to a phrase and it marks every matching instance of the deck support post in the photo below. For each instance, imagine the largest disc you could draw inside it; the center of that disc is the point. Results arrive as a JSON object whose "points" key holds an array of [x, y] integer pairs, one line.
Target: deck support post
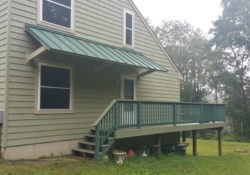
{"points": [[183, 136], [194, 135], [159, 143], [220, 141]]}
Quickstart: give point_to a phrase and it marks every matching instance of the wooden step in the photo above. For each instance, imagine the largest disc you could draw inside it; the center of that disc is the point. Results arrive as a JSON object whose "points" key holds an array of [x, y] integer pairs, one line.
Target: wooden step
{"points": [[111, 138], [93, 132], [87, 143], [90, 136], [105, 146], [93, 136], [91, 143], [79, 150]]}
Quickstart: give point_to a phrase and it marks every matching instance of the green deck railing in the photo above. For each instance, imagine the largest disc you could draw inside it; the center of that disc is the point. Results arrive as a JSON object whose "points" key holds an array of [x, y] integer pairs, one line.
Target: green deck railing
{"points": [[131, 114], [144, 113]]}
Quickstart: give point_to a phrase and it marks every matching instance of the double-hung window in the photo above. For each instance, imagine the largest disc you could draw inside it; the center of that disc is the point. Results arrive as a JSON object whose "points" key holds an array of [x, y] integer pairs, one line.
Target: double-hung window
{"points": [[128, 28], [54, 88], [57, 12]]}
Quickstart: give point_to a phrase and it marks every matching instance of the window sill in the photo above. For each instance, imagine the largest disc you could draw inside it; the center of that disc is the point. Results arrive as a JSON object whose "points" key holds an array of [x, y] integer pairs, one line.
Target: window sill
{"points": [[54, 111], [129, 46], [57, 27]]}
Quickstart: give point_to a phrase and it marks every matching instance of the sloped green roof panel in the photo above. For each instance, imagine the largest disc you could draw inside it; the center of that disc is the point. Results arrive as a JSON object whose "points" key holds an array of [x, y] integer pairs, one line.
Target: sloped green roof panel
{"points": [[61, 42]]}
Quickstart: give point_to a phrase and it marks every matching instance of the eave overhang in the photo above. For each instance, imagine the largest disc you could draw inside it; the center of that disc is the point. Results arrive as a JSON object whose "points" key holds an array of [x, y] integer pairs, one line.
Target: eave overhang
{"points": [[65, 43]]}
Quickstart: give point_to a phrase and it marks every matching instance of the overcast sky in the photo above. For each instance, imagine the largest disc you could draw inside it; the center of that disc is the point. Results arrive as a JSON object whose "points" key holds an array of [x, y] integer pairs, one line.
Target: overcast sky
{"points": [[199, 13]]}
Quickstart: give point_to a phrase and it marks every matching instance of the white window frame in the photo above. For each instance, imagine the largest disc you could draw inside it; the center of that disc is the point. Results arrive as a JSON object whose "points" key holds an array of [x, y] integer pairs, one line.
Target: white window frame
{"points": [[132, 114], [126, 11], [41, 21], [38, 104]]}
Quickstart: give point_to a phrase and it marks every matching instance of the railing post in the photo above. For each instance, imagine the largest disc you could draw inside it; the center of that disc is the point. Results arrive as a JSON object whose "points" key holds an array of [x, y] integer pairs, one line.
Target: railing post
{"points": [[97, 144], [116, 115], [224, 113], [201, 117], [174, 114], [139, 115], [213, 113]]}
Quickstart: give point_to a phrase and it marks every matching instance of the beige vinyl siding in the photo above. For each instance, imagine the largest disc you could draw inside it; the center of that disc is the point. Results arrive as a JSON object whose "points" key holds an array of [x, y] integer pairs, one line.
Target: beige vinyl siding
{"points": [[92, 94], [98, 20]]}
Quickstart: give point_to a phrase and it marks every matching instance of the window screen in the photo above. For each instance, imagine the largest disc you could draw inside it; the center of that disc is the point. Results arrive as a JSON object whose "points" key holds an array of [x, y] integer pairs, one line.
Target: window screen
{"points": [[129, 29], [57, 12], [54, 88], [129, 89]]}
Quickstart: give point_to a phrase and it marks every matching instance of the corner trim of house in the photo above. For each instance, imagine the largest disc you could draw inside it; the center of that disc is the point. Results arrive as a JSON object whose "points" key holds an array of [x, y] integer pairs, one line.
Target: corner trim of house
{"points": [[5, 121]]}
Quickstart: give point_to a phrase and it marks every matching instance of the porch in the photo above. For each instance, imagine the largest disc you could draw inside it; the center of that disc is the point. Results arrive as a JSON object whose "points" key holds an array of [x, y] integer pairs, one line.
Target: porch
{"points": [[104, 72], [127, 119]]}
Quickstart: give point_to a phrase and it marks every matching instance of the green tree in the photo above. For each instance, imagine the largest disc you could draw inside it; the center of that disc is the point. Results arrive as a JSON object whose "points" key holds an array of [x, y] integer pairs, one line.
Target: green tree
{"points": [[232, 35], [190, 50], [215, 69]]}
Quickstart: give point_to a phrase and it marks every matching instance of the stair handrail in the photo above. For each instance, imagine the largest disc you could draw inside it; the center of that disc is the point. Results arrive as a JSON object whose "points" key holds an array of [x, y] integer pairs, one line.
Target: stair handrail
{"points": [[101, 135], [104, 113]]}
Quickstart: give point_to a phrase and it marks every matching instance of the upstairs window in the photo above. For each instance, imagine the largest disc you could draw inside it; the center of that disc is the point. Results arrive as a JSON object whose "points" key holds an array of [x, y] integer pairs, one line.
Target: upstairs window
{"points": [[58, 12], [55, 88], [128, 28]]}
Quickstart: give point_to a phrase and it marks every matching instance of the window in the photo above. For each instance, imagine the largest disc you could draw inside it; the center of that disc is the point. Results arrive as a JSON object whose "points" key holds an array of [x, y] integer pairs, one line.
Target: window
{"points": [[58, 12], [55, 87], [129, 89], [128, 28]]}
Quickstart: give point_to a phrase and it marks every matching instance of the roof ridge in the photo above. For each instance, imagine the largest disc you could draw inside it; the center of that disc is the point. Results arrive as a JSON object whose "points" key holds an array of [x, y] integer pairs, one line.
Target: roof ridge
{"points": [[80, 38]]}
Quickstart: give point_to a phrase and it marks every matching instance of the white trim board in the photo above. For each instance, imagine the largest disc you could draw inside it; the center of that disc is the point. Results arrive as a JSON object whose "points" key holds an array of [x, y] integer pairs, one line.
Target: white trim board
{"points": [[38, 110], [126, 11]]}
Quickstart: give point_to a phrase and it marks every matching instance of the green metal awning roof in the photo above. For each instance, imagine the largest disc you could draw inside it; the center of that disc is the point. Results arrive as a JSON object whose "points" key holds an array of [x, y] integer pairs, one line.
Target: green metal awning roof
{"points": [[66, 43]]}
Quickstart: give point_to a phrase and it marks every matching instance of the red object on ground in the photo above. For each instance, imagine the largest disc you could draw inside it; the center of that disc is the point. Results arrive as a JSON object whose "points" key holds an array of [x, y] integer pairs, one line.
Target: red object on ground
{"points": [[130, 153]]}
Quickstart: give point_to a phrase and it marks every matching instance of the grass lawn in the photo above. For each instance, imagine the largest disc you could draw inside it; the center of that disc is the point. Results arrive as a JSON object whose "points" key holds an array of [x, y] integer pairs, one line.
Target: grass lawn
{"points": [[206, 163]]}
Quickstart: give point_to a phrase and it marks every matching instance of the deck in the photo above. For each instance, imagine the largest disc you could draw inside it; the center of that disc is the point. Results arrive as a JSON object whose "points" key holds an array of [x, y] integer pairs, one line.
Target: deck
{"points": [[126, 119]]}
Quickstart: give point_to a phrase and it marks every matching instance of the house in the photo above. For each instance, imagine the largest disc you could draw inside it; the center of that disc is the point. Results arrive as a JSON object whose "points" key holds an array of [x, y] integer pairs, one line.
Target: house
{"points": [[80, 75]]}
